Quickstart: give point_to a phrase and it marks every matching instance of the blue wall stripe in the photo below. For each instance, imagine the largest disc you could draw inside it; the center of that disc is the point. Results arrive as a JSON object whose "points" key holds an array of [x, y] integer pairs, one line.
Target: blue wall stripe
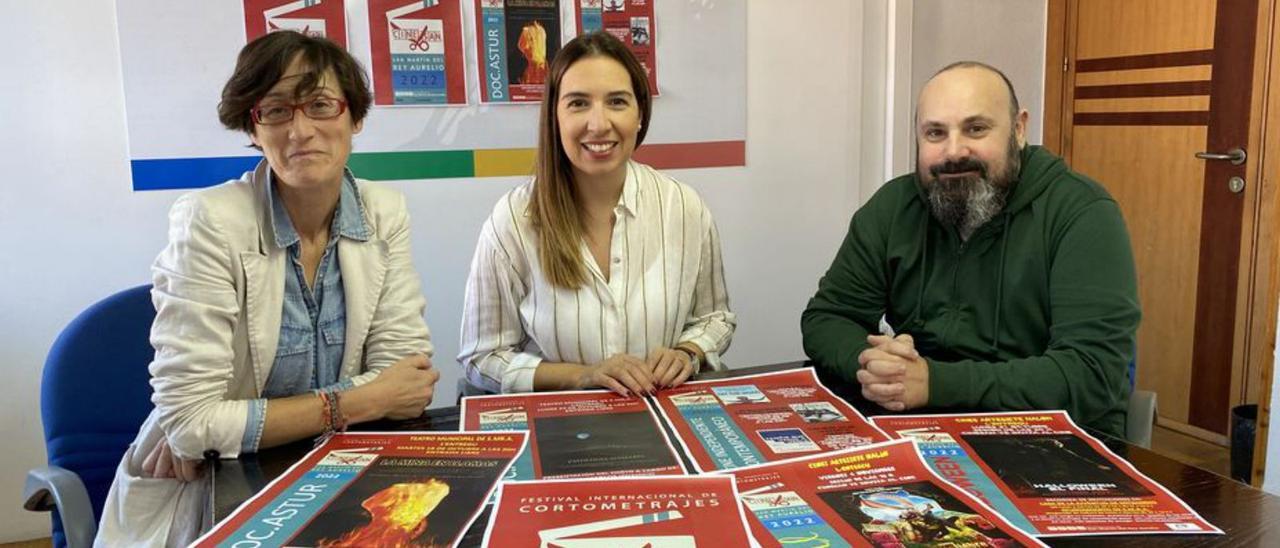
{"points": [[165, 174]]}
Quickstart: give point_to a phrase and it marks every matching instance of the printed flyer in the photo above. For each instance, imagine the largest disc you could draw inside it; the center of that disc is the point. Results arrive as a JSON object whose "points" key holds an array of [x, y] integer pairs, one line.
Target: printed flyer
{"points": [[631, 21], [1045, 474], [881, 495], [318, 18], [515, 41], [743, 421], [656, 512], [417, 54], [375, 489], [580, 434]]}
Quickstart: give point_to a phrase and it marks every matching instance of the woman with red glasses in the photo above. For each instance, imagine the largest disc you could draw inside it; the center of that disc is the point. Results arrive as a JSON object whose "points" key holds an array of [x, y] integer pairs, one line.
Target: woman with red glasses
{"points": [[287, 305]]}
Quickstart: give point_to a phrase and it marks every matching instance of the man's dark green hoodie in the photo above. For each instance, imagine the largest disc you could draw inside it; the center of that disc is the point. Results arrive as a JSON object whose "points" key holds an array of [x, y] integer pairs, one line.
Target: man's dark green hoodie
{"points": [[1037, 310]]}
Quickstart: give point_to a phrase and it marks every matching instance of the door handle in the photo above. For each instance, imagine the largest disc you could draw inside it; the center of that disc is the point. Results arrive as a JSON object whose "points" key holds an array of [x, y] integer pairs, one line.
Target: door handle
{"points": [[1236, 156]]}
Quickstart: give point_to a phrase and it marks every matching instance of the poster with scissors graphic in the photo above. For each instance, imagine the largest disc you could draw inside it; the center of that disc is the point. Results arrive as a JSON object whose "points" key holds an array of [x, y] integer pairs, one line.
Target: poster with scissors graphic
{"points": [[880, 495], [417, 52], [318, 18], [654, 512], [375, 489], [631, 21], [515, 41]]}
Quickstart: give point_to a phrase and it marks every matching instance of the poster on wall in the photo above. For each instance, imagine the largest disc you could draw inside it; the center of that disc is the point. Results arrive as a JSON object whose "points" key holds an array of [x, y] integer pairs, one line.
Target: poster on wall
{"points": [[417, 55], [172, 88], [653, 512], [516, 40], [881, 495], [631, 21], [1045, 474], [318, 18], [375, 489]]}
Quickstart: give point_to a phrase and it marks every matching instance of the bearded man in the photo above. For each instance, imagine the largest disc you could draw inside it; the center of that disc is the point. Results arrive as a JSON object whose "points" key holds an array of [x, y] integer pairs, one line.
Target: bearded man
{"points": [[1007, 278]]}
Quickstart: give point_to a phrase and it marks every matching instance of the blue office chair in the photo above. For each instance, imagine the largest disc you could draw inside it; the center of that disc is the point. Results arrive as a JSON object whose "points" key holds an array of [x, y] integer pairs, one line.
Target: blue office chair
{"points": [[94, 395]]}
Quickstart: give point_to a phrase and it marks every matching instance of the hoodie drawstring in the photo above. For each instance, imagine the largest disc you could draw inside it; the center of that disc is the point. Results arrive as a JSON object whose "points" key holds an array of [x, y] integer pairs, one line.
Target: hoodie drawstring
{"points": [[918, 320], [1004, 254]]}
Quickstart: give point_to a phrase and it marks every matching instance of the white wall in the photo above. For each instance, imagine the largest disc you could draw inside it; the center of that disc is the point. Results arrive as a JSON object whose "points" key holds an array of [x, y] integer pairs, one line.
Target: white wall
{"points": [[75, 232], [1006, 34], [1271, 480]]}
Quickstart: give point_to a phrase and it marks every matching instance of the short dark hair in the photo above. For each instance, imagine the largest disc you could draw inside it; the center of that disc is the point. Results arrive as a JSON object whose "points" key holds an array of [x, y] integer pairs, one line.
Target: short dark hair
{"points": [[1013, 97], [263, 61]]}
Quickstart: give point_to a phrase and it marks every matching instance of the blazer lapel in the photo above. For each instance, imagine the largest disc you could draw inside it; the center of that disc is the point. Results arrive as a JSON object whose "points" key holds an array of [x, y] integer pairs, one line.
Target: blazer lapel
{"points": [[364, 269], [264, 287]]}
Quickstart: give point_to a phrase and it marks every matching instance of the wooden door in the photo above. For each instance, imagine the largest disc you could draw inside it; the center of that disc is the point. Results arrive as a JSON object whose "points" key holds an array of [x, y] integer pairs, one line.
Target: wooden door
{"points": [[1145, 85]]}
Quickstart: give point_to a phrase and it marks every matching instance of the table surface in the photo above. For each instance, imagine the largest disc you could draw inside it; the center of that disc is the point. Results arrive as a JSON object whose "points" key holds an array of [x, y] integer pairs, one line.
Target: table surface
{"points": [[1247, 515]]}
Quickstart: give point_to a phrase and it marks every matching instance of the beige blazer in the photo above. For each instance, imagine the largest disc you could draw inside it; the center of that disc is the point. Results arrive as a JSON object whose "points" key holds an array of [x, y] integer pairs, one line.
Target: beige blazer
{"points": [[219, 295]]}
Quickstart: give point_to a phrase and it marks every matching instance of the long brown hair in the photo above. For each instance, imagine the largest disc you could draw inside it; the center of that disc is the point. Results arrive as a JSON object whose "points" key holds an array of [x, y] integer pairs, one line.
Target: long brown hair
{"points": [[553, 209]]}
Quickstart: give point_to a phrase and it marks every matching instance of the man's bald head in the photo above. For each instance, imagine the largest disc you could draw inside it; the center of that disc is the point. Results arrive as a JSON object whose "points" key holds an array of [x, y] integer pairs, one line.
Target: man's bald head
{"points": [[976, 65]]}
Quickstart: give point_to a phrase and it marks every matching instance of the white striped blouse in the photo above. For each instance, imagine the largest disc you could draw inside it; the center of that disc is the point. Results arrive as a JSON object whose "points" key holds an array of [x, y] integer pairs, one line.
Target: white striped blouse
{"points": [[666, 286]]}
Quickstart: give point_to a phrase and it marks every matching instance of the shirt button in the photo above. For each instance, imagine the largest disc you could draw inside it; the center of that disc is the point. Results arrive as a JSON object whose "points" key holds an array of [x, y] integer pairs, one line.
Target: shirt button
{"points": [[617, 260]]}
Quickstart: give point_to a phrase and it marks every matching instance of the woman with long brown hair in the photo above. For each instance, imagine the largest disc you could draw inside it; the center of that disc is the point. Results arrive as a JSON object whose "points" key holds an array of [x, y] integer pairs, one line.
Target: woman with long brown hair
{"points": [[601, 271]]}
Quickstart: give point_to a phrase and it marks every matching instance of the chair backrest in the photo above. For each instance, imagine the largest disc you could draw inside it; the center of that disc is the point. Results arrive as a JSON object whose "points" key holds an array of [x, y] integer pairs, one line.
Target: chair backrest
{"points": [[95, 391]]}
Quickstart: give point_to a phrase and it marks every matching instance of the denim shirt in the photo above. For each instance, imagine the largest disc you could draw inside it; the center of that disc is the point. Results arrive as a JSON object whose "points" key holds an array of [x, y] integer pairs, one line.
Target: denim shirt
{"points": [[313, 323]]}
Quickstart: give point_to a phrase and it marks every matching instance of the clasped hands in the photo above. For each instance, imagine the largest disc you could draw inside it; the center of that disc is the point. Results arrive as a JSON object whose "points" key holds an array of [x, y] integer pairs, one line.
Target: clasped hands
{"points": [[628, 375], [893, 374]]}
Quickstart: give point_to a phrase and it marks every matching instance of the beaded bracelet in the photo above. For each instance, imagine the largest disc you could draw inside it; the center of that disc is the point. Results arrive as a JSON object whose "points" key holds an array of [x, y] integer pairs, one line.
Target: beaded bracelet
{"points": [[330, 415]]}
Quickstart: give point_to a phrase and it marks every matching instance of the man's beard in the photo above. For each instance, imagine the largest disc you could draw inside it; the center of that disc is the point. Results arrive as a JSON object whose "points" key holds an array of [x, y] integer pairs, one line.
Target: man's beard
{"points": [[966, 203]]}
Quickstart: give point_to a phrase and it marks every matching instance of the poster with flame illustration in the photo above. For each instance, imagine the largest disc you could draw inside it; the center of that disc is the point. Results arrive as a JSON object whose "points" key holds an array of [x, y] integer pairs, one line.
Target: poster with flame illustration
{"points": [[577, 434], [417, 55], [1045, 474], [653, 512], [631, 21], [319, 18], [880, 495], [375, 489], [754, 419], [515, 41]]}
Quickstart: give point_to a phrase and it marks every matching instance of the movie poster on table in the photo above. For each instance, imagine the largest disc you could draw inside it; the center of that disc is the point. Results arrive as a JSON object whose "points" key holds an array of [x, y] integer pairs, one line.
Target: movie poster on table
{"points": [[1045, 474], [631, 21], [515, 41], [654, 512], [375, 489], [315, 18], [881, 495], [577, 434], [416, 48], [754, 419]]}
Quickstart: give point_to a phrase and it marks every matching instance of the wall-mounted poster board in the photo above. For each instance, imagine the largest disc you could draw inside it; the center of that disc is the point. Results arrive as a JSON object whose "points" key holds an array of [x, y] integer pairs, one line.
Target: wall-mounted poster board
{"points": [[176, 56]]}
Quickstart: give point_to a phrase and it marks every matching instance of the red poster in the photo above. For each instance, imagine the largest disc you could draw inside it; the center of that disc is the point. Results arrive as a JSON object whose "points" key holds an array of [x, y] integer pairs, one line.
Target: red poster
{"points": [[881, 495], [1045, 474], [580, 434], [742, 421], [375, 489], [618, 512], [631, 21], [417, 52], [318, 18]]}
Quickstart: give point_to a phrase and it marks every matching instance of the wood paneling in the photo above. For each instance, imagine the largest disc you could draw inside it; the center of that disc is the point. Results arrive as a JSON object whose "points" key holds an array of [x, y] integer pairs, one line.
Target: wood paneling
{"points": [[1144, 76], [1153, 89], [1162, 213], [1155, 118], [1144, 104], [1148, 26]]}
